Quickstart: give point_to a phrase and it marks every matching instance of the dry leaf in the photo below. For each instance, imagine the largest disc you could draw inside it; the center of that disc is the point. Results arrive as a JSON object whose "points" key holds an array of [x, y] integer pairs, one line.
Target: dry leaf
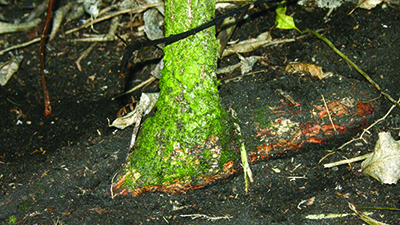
{"points": [[363, 216], [248, 45], [58, 18], [146, 104], [92, 7], [245, 64], [384, 163], [16, 27], [7, 69], [152, 21], [159, 8], [369, 4], [302, 67], [331, 4], [157, 70], [76, 12]]}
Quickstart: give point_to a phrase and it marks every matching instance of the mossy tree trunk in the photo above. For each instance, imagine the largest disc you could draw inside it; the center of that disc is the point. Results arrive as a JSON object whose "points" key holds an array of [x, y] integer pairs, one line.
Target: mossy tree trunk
{"points": [[184, 145]]}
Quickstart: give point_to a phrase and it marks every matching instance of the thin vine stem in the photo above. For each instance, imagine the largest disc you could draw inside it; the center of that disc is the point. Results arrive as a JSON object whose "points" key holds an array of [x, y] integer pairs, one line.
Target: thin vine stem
{"points": [[47, 106], [354, 65]]}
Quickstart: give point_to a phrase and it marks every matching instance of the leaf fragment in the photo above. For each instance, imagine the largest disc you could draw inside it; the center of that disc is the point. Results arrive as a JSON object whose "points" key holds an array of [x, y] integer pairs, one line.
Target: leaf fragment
{"points": [[249, 45], [363, 216], [7, 69], [384, 163], [92, 7], [11, 27], [146, 104], [302, 67], [58, 18], [152, 20], [369, 4]]}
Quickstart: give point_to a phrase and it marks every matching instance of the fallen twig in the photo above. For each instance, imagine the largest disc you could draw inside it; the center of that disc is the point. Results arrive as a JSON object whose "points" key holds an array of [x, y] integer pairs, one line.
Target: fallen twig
{"points": [[20, 45], [379, 208], [151, 79], [347, 161], [330, 216], [203, 216], [367, 129], [326, 156], [329, 114], [136, 10], [84, 54], [363, 216], [248, 175], [102, 38]]}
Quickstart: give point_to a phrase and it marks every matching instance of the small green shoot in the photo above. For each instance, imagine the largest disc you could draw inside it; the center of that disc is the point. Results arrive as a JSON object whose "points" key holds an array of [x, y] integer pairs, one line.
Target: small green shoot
{"points": [[284, 21], [12, 220]]}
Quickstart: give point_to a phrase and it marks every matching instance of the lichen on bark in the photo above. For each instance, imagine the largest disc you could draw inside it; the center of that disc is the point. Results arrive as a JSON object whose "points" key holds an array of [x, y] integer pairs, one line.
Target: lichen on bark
{"points": [[185, 144]]}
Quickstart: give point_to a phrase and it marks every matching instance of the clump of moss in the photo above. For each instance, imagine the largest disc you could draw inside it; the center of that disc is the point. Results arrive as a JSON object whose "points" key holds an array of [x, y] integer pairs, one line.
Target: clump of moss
{"points": [[261, 117]]}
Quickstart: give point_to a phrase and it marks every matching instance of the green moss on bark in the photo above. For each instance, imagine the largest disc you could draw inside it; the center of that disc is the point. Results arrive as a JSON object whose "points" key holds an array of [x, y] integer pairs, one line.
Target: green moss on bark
{"points": [[183, 142]]}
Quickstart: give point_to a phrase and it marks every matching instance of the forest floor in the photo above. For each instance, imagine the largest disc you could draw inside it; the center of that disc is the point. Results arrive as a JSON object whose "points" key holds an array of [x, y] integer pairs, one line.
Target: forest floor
{"points": [[58, 169]]}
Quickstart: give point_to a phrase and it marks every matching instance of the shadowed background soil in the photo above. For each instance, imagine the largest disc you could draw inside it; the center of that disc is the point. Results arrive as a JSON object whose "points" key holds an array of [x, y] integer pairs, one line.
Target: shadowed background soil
{"points": [[59, 168]]}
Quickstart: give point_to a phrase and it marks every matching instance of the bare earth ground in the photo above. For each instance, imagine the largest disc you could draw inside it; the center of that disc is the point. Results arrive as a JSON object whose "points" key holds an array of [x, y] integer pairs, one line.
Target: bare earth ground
{"points": [[58, 169]]}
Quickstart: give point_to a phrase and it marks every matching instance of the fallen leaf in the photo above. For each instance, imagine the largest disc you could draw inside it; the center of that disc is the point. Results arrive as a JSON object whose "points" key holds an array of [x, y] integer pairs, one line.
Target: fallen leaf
{"points": [[302, 67], [76, 12], [146, 104], [369, 4], [363, 216], [384, 163], [7, 69], [248, 45], [48, 208], [92, 7], [152, 20], [16, 27], [58, 18], [311, 4], [245, 64]]}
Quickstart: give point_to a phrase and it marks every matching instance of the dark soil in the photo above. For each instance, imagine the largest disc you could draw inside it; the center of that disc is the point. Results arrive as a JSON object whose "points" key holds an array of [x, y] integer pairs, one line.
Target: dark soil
{"points": [[58, 169]]}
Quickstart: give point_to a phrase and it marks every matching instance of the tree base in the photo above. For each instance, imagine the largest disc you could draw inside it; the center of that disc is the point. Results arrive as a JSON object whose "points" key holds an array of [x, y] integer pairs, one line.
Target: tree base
{"points": [[277, 126]]}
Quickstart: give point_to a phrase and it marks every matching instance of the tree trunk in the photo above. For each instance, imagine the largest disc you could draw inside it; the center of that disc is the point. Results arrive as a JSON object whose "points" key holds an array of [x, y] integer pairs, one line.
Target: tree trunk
{"points": [[184, 146]]}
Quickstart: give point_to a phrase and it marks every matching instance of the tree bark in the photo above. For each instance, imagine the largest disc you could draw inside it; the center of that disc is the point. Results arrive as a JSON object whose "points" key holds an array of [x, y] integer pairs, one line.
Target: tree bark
{"points": [[184, 146]]}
